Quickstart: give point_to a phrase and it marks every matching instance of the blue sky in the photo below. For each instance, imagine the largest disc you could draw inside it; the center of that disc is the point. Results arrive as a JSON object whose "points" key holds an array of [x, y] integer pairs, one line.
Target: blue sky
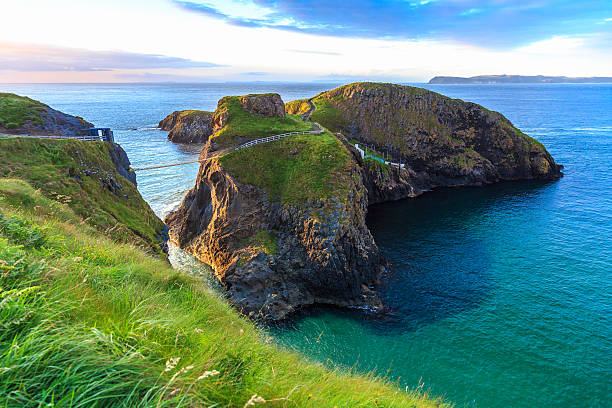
{"points": [[496, 24], [287, 40]]}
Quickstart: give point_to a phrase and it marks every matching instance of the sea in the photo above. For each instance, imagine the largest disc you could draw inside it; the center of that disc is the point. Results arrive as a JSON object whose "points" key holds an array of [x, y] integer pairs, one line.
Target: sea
{"points": [[499, 296]]}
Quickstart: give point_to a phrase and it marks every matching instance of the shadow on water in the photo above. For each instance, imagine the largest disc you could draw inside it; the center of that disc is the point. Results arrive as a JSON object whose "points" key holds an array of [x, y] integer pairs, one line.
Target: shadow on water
{"points": [[438, 252]]}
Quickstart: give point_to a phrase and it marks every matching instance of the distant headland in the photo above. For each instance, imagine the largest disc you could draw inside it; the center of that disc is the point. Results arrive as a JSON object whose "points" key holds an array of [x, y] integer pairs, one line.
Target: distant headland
{"points": [[518, 79]]}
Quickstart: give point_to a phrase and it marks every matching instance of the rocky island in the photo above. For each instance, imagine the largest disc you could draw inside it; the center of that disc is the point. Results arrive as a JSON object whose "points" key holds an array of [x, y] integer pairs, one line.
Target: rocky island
{"points": [[283, 223], [188, 126], [519, 79]]}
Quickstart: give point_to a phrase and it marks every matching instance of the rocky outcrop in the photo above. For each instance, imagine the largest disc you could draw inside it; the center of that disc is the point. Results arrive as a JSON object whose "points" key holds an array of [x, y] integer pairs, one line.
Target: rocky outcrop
{"points": [[441, 141], [188, 126], [31, 117], [122, 163], [264, 104], [275, 258]]}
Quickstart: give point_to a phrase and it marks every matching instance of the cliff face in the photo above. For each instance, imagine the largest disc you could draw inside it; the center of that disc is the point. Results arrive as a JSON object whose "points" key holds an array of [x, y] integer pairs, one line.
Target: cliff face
{"points": [[272, 258], [188, 126], [282, 224], [20, 115], [441, 141]]}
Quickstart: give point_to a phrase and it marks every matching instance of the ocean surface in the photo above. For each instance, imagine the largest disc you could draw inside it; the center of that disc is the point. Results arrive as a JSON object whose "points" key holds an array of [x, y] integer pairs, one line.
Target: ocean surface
{"points": [[500, 296]]}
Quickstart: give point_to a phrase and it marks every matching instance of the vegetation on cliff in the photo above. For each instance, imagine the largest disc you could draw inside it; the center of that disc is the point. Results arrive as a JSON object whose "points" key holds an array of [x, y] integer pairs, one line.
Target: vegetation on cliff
{"points": [[83, 176], [20, 114], [433, 134], [15, 110], [296, 169], [238, 125], [86, 321]]}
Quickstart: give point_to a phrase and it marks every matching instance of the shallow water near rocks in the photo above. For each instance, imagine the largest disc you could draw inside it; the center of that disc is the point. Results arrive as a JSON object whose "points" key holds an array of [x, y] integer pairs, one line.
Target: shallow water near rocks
{"points": [[499, 296]]}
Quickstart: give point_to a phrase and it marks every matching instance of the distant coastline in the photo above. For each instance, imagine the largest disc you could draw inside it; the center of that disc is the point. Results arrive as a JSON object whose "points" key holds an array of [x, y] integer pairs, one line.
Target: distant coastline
{"points": [[518, 79]]}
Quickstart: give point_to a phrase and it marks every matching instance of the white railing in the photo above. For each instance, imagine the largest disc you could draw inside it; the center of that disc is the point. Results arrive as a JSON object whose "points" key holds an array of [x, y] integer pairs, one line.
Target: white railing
{"points": [[277, 137], [86, 137], [364, 156]]}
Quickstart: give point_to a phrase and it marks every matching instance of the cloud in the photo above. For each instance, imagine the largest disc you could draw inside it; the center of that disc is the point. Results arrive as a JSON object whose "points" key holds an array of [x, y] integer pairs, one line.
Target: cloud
{"points": [[501, 24], [42, 58], [315, 52]]}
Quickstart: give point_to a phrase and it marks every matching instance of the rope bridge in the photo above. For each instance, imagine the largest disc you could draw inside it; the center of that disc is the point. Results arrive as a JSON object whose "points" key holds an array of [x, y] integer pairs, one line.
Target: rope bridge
{"points": [[243, 146]]}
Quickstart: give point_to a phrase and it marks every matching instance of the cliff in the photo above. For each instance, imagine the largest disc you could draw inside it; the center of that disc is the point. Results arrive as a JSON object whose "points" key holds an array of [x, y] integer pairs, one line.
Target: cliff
{"points": [[94, 179], [440, 141], [188, 126], [253, 116], [519, 79], [283, 223], [22, 115]]}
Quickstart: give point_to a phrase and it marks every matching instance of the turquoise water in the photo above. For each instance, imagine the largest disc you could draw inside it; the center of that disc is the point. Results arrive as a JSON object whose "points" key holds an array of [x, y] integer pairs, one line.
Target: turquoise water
{"points": [[499, 296]]}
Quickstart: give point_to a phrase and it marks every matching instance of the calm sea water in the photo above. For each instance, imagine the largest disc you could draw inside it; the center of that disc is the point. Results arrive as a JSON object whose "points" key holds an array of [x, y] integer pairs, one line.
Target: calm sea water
{"points": [[500, 296]]}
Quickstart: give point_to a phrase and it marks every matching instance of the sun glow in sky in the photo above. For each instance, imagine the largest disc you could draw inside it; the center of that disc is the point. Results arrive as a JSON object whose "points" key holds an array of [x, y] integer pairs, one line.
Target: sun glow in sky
{"points": [[295, 40]]}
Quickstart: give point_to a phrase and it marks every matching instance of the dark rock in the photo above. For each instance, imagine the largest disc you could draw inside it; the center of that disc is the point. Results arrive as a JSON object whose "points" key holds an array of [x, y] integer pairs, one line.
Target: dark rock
{"points": [[122, 163], [264, 104], [324, 253], [54, 123], [189, 126]]}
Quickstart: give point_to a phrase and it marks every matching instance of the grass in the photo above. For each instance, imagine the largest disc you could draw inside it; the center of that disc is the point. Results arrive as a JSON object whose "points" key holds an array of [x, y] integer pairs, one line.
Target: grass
{"points": [[266, 240], [327, 114], [375, 166], [297, 107], [87, 322], [187, 113], [243, 125], [81, 175], [16, 110], [295, 169]]}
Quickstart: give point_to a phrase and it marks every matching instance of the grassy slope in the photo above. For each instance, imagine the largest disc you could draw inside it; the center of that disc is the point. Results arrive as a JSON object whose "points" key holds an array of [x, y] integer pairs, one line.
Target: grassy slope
{"points": [[327, 112], [297, 107], [295, 169], [73, 172], [85, 322], [244, 125], [15, 110]]}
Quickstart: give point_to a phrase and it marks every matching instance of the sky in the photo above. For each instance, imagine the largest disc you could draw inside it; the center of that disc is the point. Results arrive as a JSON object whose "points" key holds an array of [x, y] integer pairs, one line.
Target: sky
{"points": [[299, 40]]}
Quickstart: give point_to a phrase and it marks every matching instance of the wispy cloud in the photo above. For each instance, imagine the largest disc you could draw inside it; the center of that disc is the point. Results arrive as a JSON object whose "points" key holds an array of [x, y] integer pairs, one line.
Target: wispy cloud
{"points": [[41, 58], [501, 24], [315, 52]]}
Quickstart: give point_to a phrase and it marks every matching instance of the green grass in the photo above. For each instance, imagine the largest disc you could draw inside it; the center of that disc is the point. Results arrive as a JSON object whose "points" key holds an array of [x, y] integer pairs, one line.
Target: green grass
{"points": [[191, 112], [328, 114], [16, 110], [243, 125], [79, 174], [86, 322], [295, 169], [375, 166]]}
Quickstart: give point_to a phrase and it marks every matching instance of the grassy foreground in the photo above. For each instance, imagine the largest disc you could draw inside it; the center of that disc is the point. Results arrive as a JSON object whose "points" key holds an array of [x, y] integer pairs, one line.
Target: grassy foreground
{"points": [[87, 322], [90, 318]]}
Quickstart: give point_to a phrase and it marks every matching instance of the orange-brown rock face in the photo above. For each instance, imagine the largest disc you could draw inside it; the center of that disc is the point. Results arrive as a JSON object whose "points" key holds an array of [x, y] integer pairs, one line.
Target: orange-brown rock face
{"points": [[319, 253]]}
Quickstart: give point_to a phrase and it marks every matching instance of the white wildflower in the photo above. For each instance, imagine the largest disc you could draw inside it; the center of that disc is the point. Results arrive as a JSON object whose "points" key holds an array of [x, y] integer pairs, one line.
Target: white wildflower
{"points": [[254, 399], [170, 364], [208, 374]]}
